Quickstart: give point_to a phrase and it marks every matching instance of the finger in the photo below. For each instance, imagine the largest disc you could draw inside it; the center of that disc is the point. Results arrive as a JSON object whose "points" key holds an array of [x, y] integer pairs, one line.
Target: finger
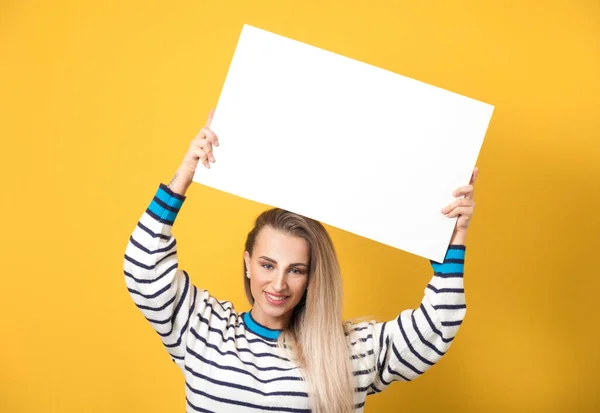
{"points": [[472, 183], [210, 118], [468, 190], [463, 211], [202, 143], [206, 146], [203, 157], [460, 202], [474, 175], [211, 136], [463, 190]]}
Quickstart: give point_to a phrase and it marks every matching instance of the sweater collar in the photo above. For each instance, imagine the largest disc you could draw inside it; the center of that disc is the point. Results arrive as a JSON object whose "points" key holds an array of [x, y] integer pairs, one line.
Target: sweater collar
{"points": [[260, 330]]}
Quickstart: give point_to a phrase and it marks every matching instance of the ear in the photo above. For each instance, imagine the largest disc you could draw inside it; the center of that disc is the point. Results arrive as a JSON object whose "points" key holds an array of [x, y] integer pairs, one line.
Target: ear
{"points": [[247, 260]]}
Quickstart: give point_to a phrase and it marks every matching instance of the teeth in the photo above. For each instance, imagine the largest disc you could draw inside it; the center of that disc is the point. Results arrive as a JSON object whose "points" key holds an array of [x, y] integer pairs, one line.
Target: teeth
{"points": [[272, 297]]}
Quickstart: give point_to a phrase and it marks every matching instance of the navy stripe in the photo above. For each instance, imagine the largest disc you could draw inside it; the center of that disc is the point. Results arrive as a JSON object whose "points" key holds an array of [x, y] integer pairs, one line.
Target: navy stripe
{"points": [[347, 333], [241, 371], [162, 307], [410, 346], [395, 373], [151, 233], [233, 353], [178, 307], [401, 360], [363, 372], [222, 305], [385, 357], [246, 404], [157, 251], [250, 389], [449, 275], [446, 290], [157, 207], [373, 390], [451, 323], [449, 306], [216, 315], [362, 339], [148, 267], [362, 355], [164, 205], [143, 281], [423, 339], [454, 261], [381, 334], [185, 326], [156, 294], [159, 219], [196, 408], [165, 321], [172, 193], [171, 318], [448, 268], [432, 325], [226, 319], [206, 304], [234, 336]]}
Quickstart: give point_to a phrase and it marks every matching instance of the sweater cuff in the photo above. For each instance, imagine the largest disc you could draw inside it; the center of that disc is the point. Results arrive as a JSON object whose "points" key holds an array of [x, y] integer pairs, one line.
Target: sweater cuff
{"points": [[165, 205], [454, 261]]}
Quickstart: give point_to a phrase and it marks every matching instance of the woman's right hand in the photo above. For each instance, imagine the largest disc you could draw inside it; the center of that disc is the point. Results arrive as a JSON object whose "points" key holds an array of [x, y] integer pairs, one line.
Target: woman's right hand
{"points": [[201, 149]]}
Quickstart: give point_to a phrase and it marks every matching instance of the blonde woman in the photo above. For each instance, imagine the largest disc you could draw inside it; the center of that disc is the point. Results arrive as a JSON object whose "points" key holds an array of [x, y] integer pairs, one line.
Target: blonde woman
{"points": [[291, 352]]}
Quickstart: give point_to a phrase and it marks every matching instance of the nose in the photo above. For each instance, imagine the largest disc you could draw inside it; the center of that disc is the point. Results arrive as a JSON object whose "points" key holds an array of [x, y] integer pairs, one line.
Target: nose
{"points": [[279, 282]]}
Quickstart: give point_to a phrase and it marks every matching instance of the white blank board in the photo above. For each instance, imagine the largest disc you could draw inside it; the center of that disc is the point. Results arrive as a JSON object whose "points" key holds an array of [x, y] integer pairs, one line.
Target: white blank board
{"points": [[349, 144]]}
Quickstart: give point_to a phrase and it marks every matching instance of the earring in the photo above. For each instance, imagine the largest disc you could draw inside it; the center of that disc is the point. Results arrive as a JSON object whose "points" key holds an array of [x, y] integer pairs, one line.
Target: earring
{"points": [[248, 274]]}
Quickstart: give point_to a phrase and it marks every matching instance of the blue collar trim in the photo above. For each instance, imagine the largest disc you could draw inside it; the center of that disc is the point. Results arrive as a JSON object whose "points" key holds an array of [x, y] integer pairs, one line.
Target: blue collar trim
{"points": [[259, 329]]}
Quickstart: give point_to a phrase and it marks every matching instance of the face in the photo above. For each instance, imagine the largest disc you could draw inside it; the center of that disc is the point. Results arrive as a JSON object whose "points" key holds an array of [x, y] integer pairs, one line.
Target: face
{"points": [[278, 269]]}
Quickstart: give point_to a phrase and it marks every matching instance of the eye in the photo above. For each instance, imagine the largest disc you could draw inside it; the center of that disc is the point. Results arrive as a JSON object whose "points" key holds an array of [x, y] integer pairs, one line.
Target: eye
{"points": [[298, 271], [267, 266]]}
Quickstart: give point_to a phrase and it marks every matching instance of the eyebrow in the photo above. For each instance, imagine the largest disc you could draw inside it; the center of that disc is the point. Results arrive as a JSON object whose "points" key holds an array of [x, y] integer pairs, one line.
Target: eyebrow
{"points": [[296, 264]]}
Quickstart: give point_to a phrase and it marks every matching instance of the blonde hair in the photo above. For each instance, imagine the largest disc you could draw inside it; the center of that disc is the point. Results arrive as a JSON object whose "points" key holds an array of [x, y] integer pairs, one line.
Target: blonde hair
{"points": [[315, 338]]}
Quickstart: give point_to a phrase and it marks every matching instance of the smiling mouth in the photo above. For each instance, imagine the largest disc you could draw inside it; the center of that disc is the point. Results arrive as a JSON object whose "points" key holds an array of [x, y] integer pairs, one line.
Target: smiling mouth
{"points": [[276, 299]]}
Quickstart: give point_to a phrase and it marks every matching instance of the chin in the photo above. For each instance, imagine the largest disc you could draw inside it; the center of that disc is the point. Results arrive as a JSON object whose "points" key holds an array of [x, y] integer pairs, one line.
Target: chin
{"points": [[276, 311]]}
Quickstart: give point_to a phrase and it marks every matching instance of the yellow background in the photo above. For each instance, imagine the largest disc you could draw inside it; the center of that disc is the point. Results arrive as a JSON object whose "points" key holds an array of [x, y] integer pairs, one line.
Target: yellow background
{"points": [[98, 104]]}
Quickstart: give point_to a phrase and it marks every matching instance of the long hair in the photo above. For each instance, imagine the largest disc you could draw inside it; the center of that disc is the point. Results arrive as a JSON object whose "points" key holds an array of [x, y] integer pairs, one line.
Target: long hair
{"points": [[315, 338]]}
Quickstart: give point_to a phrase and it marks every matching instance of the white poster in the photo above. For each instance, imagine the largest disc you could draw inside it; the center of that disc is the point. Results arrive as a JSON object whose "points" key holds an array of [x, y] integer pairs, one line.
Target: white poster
{"points": [[349, 144]]}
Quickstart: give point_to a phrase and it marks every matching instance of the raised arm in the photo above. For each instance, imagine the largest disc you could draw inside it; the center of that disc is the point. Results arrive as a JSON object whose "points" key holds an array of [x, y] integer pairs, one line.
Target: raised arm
{"points": [[163, 292], [404, 348], [414, 341]]}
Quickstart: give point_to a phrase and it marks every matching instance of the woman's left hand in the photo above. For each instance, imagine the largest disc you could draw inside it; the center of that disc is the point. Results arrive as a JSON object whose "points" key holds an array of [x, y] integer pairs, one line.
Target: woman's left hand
{"points": [[463, 208]]}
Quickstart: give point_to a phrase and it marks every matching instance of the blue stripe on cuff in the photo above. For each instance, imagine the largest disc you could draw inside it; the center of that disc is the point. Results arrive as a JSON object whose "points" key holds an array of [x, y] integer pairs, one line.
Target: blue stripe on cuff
{"points": [[455, 254], [161, 212], [166, 204], [448, 268], [168, 199]]}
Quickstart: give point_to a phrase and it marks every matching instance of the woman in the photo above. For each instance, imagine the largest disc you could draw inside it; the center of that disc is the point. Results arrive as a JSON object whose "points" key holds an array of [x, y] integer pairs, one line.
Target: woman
{"points": [[291, 352]]}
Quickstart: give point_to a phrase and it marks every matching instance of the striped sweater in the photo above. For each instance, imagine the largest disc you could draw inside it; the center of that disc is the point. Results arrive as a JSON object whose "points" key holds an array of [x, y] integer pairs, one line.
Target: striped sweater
{"points": [[231, 363]]}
